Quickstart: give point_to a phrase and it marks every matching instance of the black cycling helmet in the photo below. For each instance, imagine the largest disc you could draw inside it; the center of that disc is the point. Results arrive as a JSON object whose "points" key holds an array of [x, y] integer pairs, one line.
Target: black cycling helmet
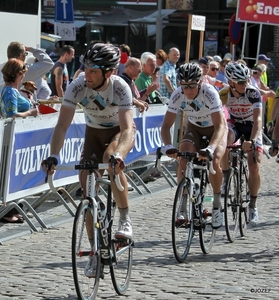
{"points": [[236, 71], [189, 72], [101, 56]]}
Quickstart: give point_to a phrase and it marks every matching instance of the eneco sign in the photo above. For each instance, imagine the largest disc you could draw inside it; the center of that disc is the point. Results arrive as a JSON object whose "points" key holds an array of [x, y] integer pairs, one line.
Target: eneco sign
{"points": [[263, 11]]}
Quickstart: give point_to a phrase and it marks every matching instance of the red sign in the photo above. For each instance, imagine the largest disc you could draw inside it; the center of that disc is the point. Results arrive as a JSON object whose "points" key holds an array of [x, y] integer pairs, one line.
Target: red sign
{"points": [[258, 11]]}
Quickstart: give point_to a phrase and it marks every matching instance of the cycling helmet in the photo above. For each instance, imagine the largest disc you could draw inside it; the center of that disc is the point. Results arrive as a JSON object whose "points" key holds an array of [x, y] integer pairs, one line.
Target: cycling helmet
{"points": [[189, 72], [235, 72], [101, 56]]}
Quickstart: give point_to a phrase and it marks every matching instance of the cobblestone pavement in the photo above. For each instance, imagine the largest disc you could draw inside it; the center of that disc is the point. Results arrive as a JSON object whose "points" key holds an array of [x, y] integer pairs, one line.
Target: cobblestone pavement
{"points": [[38, 265]]}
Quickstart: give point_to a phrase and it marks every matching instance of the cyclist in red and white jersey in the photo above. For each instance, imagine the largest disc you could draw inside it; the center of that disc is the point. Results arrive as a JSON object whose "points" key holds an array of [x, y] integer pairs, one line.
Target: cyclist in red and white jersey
{"points": [[244, 106]]}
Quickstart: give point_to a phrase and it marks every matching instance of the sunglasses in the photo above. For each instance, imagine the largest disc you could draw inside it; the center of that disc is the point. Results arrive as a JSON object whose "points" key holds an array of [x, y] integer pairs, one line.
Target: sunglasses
{"points": [[189, 86], [214, 69], [244, 82]]}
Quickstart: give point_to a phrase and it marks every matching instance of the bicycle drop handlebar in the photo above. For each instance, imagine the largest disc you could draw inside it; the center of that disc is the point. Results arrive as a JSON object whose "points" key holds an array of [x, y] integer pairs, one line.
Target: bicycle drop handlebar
{"points": [[88, 166], [186, 155]]}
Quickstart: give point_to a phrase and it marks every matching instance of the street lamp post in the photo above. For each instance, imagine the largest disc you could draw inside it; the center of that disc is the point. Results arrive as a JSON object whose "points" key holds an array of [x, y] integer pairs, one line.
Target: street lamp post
{"points": [[159, 25]]}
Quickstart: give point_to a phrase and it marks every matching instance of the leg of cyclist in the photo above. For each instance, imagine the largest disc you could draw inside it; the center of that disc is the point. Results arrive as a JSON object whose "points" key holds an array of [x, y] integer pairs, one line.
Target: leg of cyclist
{"points": [[232, 137], [121, 197], [216, 183], [254, 180]]}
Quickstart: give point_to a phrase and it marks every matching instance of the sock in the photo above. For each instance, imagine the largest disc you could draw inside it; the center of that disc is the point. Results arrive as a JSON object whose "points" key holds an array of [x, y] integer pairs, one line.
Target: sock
{"points": [[124, 213], [217, 200], [252, 203]]}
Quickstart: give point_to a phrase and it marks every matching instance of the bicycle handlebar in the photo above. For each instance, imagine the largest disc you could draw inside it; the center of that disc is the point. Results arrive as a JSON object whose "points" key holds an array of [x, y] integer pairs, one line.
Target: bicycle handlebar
{"points": [[187, 155], [87, 166], [192, 155]]}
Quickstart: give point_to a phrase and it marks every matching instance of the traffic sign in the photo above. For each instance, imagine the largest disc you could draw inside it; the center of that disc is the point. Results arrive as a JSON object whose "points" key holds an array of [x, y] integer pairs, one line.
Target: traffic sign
{"points": [[67, 31], [64, 11], [234, 30]]}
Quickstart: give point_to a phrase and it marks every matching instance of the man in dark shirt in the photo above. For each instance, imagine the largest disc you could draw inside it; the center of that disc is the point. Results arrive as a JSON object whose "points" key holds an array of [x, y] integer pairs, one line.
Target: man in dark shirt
{"points": [[59, 73]]}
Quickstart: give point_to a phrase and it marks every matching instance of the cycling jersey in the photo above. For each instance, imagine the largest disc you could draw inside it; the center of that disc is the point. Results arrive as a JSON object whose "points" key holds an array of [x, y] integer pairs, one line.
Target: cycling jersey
{"points": [[198, 110], [100, 107], [241, 109]]}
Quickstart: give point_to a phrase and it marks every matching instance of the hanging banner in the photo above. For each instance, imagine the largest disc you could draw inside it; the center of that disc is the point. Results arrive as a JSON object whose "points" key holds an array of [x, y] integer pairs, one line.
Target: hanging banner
{"points": [[254, 11]]}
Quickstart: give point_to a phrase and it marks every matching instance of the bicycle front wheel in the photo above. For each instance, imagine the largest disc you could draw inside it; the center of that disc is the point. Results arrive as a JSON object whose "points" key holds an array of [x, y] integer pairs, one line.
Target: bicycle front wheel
{"points": [[244, 200], [182, 228], [82, 254], [231, 206], [206, 232], [121, 268]]}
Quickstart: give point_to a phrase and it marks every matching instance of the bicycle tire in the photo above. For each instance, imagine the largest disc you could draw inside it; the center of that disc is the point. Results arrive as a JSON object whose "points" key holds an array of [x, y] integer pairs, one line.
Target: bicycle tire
{"points": [[206, 232], [182, 232], [244, 199], [121, 269], [86, 288], [231, 205]]}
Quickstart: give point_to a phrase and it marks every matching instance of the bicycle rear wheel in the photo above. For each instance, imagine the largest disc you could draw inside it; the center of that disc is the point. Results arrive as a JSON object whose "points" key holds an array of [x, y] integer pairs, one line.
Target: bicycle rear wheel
{"points": [[182, 230], [231, 205], [206, 232], [121, 268], [86, 287], [244, 200]]}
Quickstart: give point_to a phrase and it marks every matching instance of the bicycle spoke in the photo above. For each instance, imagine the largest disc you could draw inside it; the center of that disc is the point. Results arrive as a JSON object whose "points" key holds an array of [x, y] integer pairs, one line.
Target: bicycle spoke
{"points": [[86, 287], [122, 266], [231, 206], [182, 228], [244, 201], [206, 232]]}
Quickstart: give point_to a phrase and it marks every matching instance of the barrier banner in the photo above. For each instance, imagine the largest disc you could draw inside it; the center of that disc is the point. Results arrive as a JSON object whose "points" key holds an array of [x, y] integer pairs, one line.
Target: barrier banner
{"points": [[31, 144]]}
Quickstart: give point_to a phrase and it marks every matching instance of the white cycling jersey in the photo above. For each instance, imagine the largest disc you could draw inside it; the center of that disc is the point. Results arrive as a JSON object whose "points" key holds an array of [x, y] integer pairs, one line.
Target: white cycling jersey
{"points": [[241, 109], [198, 110], [100, 107]]}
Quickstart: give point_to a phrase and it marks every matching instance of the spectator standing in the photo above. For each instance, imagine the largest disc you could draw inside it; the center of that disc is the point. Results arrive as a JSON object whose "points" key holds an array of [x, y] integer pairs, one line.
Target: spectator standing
{"points": [[221, 74], [59, 78], [148, 62], [204, 63], [225, 47], [263, 59], [125, 55], [13, 104], [168, 80], [35, 70], [131, 72]]}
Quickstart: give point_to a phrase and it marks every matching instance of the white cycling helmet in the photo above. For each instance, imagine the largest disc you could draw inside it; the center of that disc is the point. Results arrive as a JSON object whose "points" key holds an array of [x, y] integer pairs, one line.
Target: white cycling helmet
{"points": [[235, 72], [189, 72]]}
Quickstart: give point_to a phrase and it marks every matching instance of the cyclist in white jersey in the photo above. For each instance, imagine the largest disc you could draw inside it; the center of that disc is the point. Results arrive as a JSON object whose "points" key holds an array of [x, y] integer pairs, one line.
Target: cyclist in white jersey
{"points": [[107, 103], [244, 106], [202, 105]]}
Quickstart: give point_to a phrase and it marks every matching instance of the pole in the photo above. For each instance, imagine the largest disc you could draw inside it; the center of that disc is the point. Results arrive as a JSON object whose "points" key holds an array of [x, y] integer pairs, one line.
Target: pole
{"points": [[159, 26]]}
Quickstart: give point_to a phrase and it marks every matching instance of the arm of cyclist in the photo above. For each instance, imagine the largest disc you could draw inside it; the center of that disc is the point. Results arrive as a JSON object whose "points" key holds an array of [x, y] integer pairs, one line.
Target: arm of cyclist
{"points": [[65, 118], [126, 139], [256, 130], [169, 120], [220, 129]]}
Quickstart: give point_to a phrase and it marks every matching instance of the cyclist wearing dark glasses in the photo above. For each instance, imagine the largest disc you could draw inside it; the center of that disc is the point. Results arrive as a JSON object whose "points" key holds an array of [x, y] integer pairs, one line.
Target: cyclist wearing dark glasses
{"points": [[244, 106], [203, 107]]}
